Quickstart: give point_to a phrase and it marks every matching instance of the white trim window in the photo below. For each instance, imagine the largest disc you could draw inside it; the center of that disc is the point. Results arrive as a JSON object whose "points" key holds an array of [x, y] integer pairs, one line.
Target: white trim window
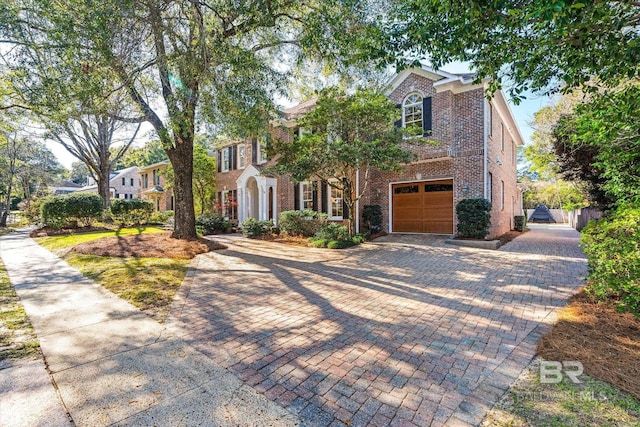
{"points": [[306, 195], [336, 207], [242, 158], [412, 113], [262, 150], [226, 162]]}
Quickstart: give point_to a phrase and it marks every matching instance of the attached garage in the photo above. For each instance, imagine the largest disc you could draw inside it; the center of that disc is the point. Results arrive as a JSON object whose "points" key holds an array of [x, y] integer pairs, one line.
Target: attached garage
{"points": [[422, 207]]}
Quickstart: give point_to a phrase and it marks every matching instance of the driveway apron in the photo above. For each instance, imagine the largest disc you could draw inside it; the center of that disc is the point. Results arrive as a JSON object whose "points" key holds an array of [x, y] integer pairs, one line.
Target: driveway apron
{"points": [[405, 330], [113, 365]]}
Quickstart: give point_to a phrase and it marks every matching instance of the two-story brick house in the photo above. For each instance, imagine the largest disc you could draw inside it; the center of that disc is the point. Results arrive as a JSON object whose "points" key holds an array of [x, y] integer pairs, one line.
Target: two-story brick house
{"points": [[475, 156], [154, 188]]}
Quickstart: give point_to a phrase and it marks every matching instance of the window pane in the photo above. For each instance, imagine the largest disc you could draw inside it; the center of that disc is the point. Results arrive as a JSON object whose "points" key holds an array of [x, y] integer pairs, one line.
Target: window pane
{"points": [[406, 189], [336, 202]]}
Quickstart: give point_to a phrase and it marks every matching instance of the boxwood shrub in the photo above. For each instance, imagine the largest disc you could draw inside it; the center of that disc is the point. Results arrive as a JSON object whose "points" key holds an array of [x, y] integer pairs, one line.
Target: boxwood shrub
{"points": [[304, 223], [251, 227], [474, 218], [519, 222], [131, 211], [210, 223], [71, 209]]}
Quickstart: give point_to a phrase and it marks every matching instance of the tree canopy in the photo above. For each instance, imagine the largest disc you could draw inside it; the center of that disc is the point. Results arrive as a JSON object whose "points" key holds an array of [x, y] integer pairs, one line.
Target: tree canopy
{"points": [[342, 135], [179, 62], [523, 45]]}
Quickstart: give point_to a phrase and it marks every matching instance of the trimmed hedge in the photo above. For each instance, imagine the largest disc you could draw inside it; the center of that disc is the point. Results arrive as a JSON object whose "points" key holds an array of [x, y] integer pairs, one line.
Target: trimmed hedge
{"points": [[474, 218], [519, 222], [71, 209], [304, 223], [211, 223], [131, 211], [251, 227], [612, 246]]}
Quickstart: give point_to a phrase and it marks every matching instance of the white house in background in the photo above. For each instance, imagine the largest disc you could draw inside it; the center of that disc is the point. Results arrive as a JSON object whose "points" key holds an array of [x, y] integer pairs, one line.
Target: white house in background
{"points": [[123, 184]]}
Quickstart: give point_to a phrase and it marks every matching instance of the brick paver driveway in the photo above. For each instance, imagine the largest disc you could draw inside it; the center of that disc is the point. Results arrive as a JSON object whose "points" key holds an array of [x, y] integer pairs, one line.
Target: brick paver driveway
{"points": [[404, 331]]}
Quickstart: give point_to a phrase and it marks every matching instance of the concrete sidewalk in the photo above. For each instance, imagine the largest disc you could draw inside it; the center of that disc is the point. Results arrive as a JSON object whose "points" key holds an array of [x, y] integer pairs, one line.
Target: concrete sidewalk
{"points": [[113, 365]]}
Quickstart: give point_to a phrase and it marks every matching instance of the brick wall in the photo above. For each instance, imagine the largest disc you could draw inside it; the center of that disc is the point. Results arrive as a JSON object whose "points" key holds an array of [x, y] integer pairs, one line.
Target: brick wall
{"points": [[501, 163]]}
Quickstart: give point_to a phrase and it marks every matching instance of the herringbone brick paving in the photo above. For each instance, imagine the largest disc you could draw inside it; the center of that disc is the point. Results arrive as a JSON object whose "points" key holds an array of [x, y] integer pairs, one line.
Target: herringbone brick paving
{"points": [[403, 331]]}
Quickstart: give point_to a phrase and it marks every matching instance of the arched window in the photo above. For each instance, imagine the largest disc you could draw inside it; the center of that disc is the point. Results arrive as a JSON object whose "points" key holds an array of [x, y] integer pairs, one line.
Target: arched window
{"points": [[412, 113]]}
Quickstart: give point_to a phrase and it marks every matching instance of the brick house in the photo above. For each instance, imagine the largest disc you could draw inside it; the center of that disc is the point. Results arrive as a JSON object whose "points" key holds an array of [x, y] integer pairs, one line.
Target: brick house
{"points": [[123, 184], [153, 186], [475, 156]]}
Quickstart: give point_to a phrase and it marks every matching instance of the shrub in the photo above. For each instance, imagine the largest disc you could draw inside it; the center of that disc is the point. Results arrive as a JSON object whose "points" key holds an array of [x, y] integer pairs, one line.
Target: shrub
{"points": [[519, 222], [474, 218], [33, 213], [332, 231], [304, 223], [210, 223], [372, 218], [338, 244], [612, 246], [160, 217], [131, 211], [359, 238], [251, 227], [70, 209], [319, 243]]}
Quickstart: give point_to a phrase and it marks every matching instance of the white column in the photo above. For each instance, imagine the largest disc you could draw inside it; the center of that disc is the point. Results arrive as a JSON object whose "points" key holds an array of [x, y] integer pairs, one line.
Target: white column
{"points": [[275, 204], [263, 208], [242, 205]]}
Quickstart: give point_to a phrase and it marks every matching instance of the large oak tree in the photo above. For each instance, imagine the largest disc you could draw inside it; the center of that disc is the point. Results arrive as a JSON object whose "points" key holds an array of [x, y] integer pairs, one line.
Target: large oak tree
{"points": [[179, 61]]}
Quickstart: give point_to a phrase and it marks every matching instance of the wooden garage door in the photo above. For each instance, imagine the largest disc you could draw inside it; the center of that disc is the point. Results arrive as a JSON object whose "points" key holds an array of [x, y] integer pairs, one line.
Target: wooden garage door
{"points": [[423, 207]]}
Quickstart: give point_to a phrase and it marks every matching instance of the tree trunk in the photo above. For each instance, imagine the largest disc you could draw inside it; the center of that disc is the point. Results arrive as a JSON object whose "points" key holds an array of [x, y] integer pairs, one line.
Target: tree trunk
{"points": [[103, 188], [181, 158]]}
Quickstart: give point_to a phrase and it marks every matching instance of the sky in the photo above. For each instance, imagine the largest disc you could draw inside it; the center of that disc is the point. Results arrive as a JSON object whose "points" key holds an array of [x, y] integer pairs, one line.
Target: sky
{"points": [[523, 114]]}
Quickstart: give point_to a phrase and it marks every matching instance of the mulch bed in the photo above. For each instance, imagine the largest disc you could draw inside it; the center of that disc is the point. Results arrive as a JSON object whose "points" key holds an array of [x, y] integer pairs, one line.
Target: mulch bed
{"points": [[158, 245], [605, 341]]}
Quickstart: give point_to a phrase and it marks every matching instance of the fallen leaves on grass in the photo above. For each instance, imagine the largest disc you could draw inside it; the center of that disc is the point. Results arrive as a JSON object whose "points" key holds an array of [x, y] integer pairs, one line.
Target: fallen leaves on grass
{"points": [[159, 245], [605, 341]]}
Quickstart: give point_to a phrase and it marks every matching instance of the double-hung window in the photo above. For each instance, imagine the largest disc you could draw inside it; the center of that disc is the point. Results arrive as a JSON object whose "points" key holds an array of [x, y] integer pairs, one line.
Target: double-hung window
{"points": [[336, 207], [225, 160], [242, 162], [306, 195]]}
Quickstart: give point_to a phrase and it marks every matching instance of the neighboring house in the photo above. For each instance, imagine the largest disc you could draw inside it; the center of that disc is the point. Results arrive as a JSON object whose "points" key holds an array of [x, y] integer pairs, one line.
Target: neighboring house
{"points": [[64, 187], [475, 158], [153, 186], [123, 184]]}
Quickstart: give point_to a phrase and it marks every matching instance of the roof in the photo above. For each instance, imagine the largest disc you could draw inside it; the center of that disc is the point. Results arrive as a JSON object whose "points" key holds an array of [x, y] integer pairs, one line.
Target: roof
{"points": [[155, 165], [121, 172], [154, 190], [298, 110]]}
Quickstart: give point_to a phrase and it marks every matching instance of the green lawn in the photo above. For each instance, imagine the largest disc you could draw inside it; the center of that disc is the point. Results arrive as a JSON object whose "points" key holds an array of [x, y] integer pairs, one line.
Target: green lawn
{"points": [[148, 283], [17, 338], [54, 243]]}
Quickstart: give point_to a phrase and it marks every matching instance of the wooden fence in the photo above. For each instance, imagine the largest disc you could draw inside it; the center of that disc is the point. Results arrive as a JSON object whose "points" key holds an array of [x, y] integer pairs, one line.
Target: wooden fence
{"points": [[579, 218]]}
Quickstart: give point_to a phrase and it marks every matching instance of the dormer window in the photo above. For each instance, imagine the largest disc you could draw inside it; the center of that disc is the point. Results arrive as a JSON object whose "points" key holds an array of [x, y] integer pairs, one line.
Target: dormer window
{"points": [[412, 113]]}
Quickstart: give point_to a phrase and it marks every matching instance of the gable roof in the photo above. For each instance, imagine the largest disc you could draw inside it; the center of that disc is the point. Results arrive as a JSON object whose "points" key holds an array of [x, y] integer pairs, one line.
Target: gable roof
{"points": [[442, 80]]}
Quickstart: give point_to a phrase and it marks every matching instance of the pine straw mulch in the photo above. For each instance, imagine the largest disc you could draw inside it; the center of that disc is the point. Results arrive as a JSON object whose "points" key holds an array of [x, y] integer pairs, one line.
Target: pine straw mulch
{"points": [[157, 245], [605, 341]]}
